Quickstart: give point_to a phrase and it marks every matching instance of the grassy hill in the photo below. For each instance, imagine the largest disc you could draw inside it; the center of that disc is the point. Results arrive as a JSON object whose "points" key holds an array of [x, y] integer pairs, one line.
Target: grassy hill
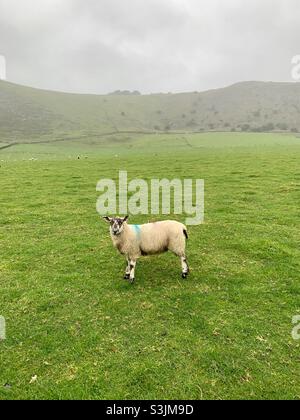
{"points": [[32, 115]]}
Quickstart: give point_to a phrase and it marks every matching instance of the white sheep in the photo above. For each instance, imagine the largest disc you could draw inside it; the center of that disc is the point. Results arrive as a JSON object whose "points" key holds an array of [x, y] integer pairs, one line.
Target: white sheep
{"points": [[135, 241]]}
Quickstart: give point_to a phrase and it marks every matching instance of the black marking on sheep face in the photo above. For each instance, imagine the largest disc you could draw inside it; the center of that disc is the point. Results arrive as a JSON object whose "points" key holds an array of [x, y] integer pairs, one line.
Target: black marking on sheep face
{"points": [[116, 224]]}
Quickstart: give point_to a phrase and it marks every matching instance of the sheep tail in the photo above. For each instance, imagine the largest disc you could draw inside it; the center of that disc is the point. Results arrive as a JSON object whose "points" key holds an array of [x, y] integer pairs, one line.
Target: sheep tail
{"points": [[186, 233]]}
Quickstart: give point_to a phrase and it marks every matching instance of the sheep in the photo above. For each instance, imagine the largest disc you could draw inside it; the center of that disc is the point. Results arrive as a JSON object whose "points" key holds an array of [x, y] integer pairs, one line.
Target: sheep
{"points": [[135, 241]]}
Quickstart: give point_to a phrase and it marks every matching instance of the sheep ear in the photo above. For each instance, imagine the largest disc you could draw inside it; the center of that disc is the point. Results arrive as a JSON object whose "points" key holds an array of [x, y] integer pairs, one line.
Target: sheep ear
{"points": [[125, 219], [107, 219]]}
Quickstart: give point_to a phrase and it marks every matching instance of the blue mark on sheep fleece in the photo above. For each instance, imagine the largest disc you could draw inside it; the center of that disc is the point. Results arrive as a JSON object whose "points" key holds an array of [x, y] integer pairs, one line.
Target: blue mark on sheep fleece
{"points": [[137, 229]]}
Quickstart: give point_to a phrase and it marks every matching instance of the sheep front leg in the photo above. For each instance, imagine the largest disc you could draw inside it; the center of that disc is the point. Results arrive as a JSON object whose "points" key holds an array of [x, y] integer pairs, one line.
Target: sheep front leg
{"points": [[132, 271], [127, 272]]}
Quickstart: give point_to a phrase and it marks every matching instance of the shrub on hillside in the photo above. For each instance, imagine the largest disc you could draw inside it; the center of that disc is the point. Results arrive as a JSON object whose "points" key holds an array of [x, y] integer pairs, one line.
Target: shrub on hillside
{"points": [[245, 127], [282, 126], [191, 124], [264, 128]]}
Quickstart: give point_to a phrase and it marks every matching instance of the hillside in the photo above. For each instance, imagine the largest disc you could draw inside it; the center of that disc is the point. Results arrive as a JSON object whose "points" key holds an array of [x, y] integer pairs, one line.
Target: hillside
{"points": [[32, 115]]}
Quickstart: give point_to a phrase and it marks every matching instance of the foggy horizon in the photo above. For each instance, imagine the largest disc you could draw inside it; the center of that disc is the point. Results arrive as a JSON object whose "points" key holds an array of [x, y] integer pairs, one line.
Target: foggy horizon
{"points": [[98, 47]]}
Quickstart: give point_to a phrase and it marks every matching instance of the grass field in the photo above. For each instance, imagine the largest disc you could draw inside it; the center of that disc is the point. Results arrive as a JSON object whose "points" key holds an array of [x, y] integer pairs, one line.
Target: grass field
{"points": [[85, 333]]}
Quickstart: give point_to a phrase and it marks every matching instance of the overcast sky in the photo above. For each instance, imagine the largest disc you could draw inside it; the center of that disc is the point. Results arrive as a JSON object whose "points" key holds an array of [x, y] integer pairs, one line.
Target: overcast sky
{"points": [[97, 46]]}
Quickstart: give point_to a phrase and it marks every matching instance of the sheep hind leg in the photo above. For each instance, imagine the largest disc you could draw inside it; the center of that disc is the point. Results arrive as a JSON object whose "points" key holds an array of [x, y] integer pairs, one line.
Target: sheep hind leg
{"points": [[178, 247], [185, 267]]}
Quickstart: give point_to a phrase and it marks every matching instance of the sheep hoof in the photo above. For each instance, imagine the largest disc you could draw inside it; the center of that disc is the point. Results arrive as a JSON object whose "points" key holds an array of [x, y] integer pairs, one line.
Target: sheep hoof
{"points": [[184, 275], [126, 277], [132, 281]]}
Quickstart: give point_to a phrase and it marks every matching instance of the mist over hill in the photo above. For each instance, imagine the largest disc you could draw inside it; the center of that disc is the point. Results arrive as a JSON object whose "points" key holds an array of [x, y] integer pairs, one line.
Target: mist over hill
{"points": [[32, 115]]}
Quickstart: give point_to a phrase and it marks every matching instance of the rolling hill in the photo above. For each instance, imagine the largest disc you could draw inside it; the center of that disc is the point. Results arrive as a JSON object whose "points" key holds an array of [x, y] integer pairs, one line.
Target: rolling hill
{"points": [[31, 115]]}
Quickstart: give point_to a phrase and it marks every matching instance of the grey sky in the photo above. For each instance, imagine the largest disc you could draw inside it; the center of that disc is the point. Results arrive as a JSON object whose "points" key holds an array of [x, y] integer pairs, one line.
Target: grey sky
{"points": [[97, 46]]}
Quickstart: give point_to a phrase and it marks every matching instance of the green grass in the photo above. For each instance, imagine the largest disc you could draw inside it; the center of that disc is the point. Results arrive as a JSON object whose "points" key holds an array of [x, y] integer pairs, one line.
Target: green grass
{"points": [[71, 319]]}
